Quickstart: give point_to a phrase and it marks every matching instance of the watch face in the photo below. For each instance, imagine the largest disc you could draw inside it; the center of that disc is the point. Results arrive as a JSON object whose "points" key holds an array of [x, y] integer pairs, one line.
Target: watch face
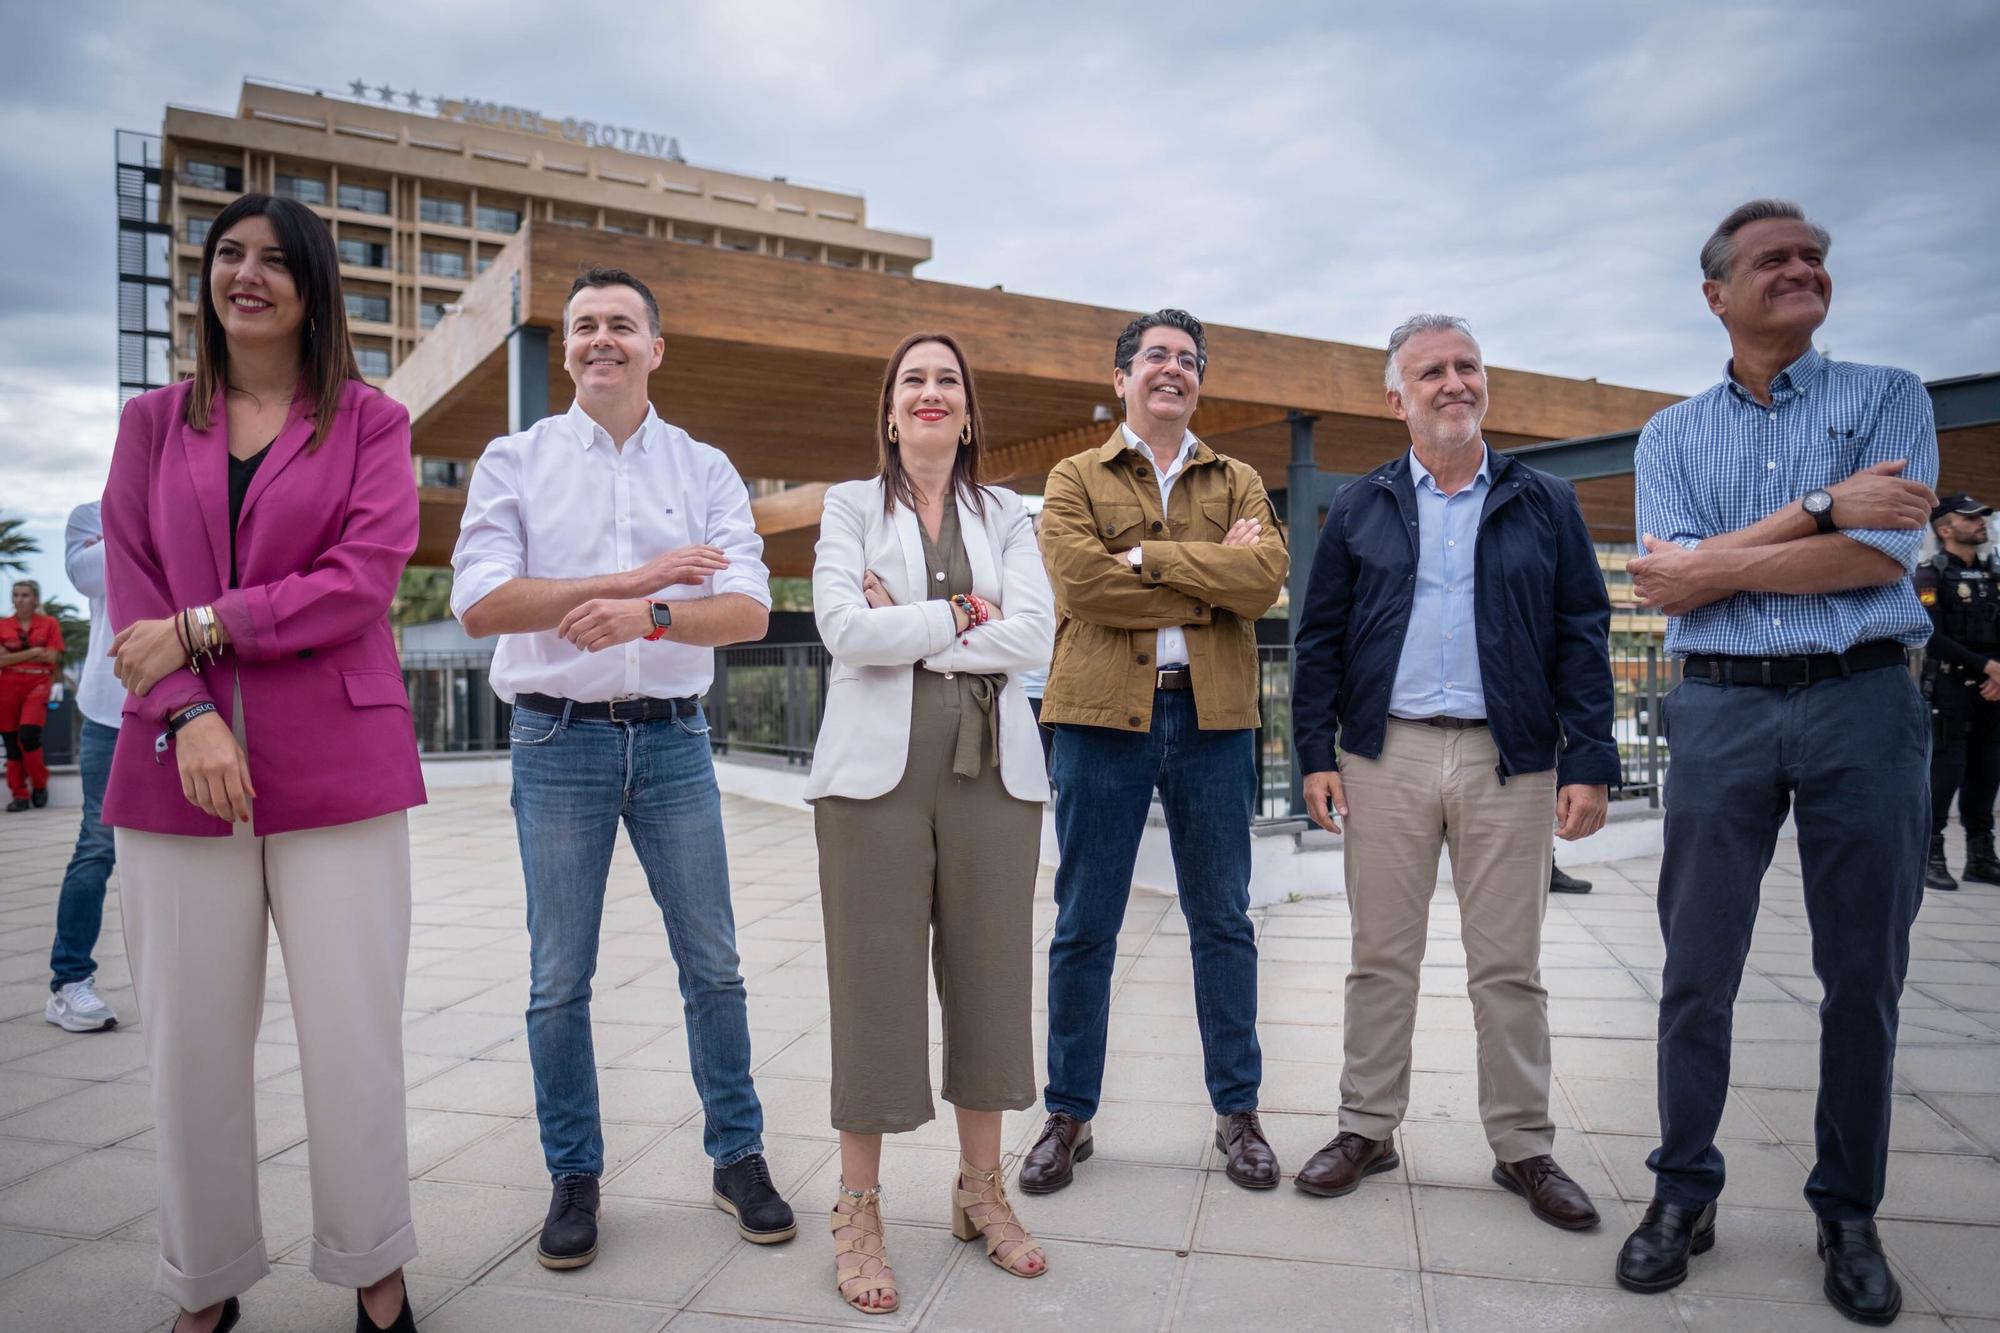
{"points": [[1818, 502], [662, 617]]}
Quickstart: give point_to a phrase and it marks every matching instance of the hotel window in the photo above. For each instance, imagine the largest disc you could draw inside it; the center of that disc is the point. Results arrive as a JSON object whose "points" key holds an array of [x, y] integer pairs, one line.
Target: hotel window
{"points": [[197, 230], [450, 472], [624, 226], [450, 212], [498, 219], [564, 217], [367, 254], [191, 286], [212, 176], [373, 361], [305, 189], [374, 308], [736, 240], [444, 263], [485, 262], [364, 199], [429, 313]]}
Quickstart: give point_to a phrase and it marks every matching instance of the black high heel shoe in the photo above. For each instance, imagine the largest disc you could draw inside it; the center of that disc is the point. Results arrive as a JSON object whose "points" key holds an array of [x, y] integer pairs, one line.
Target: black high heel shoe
{"points": [[231, 1312], [406, 1318]]}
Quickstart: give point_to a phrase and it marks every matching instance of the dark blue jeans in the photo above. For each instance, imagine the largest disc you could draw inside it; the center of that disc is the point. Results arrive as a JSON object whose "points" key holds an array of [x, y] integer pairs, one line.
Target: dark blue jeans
{"points": [[574, 781], [80, 910], [1104, 781], [1850, 759]]}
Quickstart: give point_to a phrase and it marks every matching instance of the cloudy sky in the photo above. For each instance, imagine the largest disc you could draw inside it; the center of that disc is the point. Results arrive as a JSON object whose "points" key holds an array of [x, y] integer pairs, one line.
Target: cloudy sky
{"points": [[1546, 169]]}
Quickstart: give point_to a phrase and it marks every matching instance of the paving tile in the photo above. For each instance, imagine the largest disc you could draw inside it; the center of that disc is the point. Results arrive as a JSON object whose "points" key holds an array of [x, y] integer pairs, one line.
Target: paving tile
{"points": [[1727, 1314], [1769, 1255], [21, 1250], [492, 1310], [795, 1280], [1913, 1126], [1373, 1225], [484, 1087], [1490, 1305], [463, 1228], [100, 1055], [513, 1156], [96, 1114], [86, 1195], [1228, 1293], [1490, 1233], [1942, 1187], [104, 1286], [653, 1253], [1955, 1264], [1123, 1289], [675, 1169]]}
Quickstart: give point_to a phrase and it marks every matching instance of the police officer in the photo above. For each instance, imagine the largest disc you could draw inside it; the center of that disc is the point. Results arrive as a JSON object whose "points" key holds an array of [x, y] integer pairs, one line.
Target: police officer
{"points": [[1961, 589]]}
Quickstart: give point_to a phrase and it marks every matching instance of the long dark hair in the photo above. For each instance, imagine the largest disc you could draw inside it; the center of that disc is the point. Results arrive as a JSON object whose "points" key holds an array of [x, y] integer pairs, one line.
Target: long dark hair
{"points": [[326, 358], [896, 484]]}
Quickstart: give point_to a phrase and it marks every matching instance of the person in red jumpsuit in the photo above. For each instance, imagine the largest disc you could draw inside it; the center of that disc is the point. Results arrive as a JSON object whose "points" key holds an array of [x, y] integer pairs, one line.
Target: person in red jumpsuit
{"points": [[31, 652]]}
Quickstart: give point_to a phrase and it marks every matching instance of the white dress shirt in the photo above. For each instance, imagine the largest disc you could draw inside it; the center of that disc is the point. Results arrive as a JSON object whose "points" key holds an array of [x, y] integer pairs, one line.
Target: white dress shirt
{"points": [[561, 500], [1170, 647], [98, 693]]}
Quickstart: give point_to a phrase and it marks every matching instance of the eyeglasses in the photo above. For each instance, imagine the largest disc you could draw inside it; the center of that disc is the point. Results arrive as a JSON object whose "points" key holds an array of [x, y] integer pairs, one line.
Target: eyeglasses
{"points": [[1159, 356]]}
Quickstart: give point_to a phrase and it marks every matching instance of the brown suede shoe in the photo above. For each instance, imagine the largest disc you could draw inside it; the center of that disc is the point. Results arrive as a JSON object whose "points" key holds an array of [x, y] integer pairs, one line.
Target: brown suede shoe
{"points": [[1340, 1166], [1051, 1163], [1551, 1195], [1251, 1163]]}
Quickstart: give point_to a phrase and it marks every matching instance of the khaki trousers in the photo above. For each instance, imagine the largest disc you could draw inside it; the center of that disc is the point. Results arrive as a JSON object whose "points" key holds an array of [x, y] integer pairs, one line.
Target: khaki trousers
{"points": [[195, 912], [1433, 787]]}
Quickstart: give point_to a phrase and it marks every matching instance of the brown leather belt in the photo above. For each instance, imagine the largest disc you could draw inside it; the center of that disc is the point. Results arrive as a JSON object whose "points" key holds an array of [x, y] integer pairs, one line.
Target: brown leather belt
{"points": [[1174, 678]]}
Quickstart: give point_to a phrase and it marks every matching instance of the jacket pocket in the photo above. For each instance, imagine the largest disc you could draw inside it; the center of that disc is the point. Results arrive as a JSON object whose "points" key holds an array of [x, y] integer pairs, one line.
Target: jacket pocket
{"points": [[375, 689], [1118, 520]]}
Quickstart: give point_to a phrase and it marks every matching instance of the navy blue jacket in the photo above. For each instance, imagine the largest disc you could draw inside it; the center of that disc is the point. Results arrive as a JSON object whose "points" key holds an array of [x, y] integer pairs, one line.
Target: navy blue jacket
{"points": [[1539, 608]]}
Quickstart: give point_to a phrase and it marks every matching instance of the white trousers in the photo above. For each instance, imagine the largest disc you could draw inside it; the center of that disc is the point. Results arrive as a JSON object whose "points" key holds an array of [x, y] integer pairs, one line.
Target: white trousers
{"points": [[195, 912]]}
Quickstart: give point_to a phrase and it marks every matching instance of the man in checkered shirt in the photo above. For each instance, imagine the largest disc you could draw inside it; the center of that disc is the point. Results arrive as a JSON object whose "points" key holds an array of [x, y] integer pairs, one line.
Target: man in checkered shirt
{"points": [[1782, 512]]}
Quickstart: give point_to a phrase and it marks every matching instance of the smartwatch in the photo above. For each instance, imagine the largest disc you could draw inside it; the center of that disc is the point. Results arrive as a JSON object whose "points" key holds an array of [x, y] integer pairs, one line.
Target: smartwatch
{"points": [[1819, 504], [663, 619]]}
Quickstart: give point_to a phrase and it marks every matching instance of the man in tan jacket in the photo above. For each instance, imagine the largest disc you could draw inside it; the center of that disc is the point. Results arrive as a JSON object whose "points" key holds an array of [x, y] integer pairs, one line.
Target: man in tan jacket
{"points": [[1162, 554]]}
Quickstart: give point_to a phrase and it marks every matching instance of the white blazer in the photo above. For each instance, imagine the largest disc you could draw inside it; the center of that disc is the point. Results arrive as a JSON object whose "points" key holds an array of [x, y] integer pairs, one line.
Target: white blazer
{"points": [[864, 737]]}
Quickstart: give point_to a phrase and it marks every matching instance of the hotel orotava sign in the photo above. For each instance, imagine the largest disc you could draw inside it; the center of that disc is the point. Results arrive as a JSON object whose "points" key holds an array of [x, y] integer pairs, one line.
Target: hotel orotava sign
{"points": [[474, 111]]}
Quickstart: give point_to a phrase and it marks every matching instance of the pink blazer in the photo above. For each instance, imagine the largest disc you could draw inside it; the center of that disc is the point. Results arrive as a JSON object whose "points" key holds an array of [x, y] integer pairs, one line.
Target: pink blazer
{"points": [[320, 548]]}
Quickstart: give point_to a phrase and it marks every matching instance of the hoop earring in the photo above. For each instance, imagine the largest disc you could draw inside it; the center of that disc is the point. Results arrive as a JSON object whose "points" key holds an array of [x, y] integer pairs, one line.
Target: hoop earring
{"points": [[965, 435], [894, 436]]}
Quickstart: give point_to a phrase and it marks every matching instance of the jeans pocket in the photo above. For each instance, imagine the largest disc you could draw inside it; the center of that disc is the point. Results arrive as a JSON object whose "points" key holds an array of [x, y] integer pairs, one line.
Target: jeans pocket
{"points": [[528, 728], [697, 725]]}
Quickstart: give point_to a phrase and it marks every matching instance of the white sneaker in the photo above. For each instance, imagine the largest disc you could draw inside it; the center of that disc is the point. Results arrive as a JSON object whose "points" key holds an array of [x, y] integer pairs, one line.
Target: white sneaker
{"points": [[77, 1007]]}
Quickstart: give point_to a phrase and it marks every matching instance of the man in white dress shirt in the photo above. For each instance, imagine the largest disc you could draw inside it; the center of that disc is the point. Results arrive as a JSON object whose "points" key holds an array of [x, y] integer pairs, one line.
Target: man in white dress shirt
{"points": [[612, 553], [74, 1003]]}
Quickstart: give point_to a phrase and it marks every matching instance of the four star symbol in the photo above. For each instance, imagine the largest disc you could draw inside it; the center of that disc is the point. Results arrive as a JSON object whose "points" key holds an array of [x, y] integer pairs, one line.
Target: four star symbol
{"points": [[388, 93], [413, 97], [358, 88]]}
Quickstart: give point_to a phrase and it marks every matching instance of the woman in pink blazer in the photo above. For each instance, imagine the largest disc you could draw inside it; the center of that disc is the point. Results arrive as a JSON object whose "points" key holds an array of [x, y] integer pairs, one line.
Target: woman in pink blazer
{"points": [[256, 523]]}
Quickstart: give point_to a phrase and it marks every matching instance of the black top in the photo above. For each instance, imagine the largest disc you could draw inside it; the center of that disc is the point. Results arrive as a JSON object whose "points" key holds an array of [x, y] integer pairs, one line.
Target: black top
{"points": [[241, 470]]}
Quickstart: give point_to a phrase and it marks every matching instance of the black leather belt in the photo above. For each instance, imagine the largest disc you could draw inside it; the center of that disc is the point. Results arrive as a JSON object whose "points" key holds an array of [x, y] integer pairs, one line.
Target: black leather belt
{"points": [[1801, 670], [1174, 678], [1447, 723], [615, 710]]}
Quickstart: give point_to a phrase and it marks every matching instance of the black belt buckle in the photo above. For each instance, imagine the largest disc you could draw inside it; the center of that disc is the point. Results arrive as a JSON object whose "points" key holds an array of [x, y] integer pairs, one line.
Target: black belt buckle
{"points": [[1173, 678], [636, 705]]}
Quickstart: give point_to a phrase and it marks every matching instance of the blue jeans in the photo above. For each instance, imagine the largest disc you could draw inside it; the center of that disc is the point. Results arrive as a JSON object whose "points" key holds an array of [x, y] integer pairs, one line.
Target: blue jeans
{"points": [[1104, 781], [574, 780], [80, 910], [1849, 757]]}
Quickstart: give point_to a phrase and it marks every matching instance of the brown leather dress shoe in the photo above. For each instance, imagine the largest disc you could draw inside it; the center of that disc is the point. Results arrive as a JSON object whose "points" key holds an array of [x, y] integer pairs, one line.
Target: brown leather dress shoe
{"points": [[1051, 1163], [1551, 1194], [1251, 1163], [1341, 1165]]}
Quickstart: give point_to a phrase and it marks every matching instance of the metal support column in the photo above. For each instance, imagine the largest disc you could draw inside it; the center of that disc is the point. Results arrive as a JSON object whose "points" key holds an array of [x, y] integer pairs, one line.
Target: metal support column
{"points": [[527, 377], [1302, 518]]}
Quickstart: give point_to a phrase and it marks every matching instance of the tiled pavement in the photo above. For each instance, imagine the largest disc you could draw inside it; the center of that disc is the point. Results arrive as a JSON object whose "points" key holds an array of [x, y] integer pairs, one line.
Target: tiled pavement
{"points": [[1150, 1237]]}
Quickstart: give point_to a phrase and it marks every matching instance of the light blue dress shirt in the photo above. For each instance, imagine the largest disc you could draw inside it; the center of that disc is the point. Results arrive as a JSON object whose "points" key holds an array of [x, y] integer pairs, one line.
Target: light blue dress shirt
{"points": [[1438, 675]]}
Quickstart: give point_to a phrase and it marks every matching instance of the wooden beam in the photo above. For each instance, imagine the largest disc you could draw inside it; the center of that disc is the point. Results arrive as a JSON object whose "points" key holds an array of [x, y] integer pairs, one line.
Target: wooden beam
{"points": [[1029, 458], [789, 510]]}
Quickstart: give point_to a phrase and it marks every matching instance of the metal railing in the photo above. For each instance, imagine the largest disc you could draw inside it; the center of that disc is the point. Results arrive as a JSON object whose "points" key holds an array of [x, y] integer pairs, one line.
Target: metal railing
{"points": [[767, 700]]}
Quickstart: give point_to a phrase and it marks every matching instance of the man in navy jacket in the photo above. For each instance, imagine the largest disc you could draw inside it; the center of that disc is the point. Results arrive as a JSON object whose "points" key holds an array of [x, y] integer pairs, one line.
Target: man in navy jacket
{"points": [[1456, 642]]}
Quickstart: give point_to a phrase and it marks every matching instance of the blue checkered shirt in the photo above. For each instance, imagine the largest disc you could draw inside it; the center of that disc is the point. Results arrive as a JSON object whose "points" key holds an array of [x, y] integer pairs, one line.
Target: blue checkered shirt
{"points": [[1721, 461]]}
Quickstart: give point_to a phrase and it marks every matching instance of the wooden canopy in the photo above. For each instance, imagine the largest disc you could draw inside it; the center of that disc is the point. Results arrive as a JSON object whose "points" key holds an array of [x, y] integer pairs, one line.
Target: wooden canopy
{"points": [[780, 364]]}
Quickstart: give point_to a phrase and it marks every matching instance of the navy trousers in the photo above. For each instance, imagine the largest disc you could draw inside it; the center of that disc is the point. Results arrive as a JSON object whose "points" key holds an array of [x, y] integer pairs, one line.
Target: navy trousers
{"points": [[1849, 757]]}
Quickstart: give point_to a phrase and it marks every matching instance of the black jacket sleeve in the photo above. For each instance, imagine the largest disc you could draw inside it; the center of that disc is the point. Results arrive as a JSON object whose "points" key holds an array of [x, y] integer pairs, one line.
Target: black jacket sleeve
{"points": [[1582, 657], [1321, 644]]}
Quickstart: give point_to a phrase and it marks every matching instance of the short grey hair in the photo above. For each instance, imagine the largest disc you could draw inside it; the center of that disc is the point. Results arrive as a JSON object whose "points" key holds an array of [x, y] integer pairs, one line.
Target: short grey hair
{"points": [[1392, 377], [1718, 252]]}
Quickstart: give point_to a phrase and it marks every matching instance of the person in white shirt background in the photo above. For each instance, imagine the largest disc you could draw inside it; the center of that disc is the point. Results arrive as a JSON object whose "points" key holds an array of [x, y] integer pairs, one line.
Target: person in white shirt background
{"points": [[612, 553], [74, 1003]]}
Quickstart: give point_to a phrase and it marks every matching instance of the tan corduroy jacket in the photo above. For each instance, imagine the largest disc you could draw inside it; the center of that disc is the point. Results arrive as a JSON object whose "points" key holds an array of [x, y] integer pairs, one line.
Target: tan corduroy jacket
{"points": [[1101, 503]]}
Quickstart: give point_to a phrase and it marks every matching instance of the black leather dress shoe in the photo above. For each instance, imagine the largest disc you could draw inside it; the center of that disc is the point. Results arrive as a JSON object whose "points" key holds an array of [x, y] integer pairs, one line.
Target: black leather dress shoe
{"points": [[1937, 871], [1655, 1257], [1858, 1280], [40, 797], [1981, 865], [744, 1190], [17, 805], [569, 1233], [1564, 883], [231, 1312]]}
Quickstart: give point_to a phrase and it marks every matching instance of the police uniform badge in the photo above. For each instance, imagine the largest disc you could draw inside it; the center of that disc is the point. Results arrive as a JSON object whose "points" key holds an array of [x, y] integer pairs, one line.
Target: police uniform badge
{"points": [[1964, 591]]}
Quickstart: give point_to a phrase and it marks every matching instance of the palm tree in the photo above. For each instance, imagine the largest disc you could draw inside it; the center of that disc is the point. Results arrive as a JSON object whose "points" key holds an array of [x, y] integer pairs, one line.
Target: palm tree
{"points": [[16, 545]]}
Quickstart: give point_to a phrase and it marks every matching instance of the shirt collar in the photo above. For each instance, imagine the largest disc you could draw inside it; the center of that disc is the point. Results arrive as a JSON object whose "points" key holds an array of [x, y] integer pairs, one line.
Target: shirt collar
{"points": [[584, 428], [1795, 378], [1421, 475], [1188, 445]]}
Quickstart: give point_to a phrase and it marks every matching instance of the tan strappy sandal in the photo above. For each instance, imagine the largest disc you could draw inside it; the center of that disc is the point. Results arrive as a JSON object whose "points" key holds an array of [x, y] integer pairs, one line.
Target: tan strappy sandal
{"points": [[861, 1261], [988, 1214]]}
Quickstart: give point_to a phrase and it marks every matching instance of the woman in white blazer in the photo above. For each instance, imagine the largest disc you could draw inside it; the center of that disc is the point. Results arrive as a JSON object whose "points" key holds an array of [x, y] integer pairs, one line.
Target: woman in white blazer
{"points": [[927, 787]]}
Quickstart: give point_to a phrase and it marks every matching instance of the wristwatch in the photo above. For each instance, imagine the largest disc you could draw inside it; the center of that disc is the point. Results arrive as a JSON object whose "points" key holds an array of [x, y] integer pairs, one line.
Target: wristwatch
{"points": [[1819, 504], [663, 619]]}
